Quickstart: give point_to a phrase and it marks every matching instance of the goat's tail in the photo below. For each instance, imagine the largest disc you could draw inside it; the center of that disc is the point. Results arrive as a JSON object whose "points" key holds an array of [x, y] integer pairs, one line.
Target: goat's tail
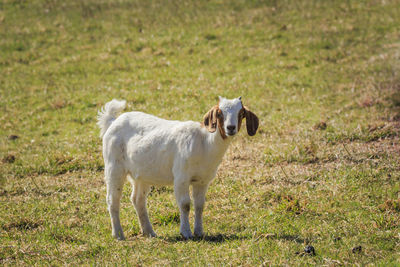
{"points": [[108, 114]]}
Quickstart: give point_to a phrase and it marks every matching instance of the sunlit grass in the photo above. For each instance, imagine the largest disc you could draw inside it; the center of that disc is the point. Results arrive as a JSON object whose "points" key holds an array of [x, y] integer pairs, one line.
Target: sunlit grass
{"points": [[322, 170]]}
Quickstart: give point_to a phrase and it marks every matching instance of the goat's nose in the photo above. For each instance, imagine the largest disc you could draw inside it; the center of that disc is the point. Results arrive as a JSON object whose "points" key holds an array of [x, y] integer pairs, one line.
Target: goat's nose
{"points": [[231, 127]]}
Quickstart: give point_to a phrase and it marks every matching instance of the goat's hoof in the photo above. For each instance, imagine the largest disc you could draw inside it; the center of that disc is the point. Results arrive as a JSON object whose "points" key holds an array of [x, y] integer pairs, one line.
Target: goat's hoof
{"points": [[187, 236], [150, 234], [198, 234], [119, 238]]}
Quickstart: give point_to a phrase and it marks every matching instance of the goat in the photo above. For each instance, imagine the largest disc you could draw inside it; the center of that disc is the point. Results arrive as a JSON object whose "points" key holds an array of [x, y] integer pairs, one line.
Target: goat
{"points": [[153, 151]]}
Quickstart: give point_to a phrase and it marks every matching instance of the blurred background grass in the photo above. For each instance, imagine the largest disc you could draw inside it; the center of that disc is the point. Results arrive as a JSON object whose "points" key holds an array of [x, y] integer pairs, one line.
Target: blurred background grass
{"points": [[321, 75]]}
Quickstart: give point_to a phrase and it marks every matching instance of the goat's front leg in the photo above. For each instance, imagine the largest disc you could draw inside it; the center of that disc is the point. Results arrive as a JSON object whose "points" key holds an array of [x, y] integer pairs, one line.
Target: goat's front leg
{"points": [[199, 197], [181, 188]]}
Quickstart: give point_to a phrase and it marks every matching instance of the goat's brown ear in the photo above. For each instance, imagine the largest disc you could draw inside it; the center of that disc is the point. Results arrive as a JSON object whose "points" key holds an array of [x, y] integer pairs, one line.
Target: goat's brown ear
{"points": [[251, 122], [210, 119]]}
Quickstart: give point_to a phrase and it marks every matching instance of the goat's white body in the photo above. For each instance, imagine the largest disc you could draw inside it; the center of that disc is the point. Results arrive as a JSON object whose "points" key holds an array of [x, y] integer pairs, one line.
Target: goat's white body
{"points": [[154, 151], [158, 151]]}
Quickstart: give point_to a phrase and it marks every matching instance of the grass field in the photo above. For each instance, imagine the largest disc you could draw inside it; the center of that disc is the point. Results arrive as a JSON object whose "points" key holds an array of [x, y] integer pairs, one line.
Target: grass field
{"points": [[323, 170]]}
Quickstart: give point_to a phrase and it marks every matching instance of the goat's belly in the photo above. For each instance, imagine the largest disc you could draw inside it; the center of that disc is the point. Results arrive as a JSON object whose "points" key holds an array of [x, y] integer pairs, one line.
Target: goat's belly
{"points": [[154, 175], [151, 166]]}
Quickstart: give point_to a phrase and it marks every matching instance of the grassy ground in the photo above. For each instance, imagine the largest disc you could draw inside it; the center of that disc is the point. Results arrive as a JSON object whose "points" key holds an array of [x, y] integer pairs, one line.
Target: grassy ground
{"points": [[323, 77]]}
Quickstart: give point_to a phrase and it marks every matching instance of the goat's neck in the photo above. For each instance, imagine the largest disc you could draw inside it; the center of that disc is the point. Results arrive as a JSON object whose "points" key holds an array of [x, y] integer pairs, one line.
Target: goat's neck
{"points": [[217, 145]]}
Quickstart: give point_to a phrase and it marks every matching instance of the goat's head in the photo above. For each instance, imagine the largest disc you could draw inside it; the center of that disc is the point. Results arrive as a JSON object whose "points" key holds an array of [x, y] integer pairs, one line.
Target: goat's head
{"points": [[228, 115]]}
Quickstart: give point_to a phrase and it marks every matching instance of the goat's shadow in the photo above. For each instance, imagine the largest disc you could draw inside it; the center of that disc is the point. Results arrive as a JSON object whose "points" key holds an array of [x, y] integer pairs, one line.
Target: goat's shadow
{"points": [[213, 238], [221, 238]]}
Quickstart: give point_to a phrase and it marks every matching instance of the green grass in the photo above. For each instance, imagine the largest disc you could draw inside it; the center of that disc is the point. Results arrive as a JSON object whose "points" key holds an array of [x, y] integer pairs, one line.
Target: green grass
{"points": [[323, 170]]}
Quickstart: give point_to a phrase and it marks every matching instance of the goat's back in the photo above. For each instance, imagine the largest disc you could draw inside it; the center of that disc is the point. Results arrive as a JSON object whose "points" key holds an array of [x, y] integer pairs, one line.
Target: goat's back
{"points": [[149, 148]]}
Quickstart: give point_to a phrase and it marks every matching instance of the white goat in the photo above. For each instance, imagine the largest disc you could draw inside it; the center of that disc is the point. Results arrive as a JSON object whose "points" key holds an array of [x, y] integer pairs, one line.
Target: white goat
{"points": [[153, 151]]}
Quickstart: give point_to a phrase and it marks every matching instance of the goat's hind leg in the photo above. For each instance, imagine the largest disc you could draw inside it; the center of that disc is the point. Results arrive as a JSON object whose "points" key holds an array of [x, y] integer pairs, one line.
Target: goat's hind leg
{"points": [[139, 199], [115, 178]]}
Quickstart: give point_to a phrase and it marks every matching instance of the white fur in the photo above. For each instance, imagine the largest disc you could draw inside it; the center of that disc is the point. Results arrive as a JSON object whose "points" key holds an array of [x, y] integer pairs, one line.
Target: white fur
{"points": [[153, 151], [108, 113]]}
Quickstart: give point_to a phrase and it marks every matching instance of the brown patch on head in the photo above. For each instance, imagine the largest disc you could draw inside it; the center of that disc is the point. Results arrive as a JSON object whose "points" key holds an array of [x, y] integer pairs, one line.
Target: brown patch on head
{"points": [[214, 118], [220, 118], [210, 119]]}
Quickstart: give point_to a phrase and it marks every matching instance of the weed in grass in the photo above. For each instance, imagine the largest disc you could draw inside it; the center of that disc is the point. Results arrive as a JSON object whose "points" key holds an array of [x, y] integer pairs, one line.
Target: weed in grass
{"points": [[22, 224], [390, 205]]}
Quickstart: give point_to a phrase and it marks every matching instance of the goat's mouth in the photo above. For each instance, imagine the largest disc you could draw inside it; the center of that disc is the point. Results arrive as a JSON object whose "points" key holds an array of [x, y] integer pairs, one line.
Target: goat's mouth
{"points": [[231, 133]]}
